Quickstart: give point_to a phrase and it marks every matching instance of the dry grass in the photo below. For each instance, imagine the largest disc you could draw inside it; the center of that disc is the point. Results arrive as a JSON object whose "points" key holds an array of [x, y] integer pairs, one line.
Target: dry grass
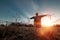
{"points": [[24, 33]]}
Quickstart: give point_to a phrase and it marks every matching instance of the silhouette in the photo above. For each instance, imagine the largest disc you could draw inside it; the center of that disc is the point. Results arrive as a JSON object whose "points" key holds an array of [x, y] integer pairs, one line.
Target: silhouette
{"points": [[37, 20]]}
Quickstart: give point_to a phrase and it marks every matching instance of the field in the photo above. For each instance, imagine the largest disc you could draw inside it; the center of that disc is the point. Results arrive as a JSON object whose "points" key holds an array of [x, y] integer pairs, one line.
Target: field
{"points": [[27, 33]]}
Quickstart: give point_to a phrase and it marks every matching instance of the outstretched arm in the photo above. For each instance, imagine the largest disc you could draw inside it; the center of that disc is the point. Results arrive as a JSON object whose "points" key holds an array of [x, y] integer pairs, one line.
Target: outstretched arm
{"points": [[42, 15], [32, 17]]}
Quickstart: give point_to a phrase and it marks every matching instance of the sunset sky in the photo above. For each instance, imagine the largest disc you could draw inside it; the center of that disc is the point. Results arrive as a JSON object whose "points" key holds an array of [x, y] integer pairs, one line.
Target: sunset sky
{"points": [[27, 8]]}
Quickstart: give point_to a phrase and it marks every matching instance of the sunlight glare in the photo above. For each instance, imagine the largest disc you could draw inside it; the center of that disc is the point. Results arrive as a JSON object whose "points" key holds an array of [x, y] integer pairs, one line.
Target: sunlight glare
{"points": [[46, 21]]}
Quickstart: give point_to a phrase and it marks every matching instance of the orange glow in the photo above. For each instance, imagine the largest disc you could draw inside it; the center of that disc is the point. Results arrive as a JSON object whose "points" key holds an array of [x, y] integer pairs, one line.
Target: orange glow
{"points": [[45, 31]]}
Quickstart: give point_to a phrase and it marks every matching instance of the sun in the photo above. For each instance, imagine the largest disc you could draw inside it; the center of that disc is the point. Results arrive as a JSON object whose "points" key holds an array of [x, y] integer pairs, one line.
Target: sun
{"points": [[46, 21]]}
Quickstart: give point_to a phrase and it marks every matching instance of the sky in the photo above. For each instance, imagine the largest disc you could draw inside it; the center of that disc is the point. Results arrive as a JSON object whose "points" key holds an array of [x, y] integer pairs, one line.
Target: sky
{"points": [[24, 9]]}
